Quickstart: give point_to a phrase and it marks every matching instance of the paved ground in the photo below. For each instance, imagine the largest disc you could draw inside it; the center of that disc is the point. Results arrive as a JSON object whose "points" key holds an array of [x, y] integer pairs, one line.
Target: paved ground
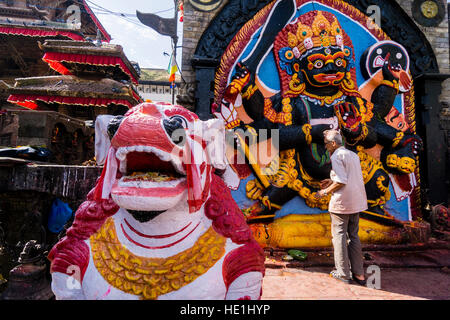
{"points": [[316, 284], [406, 274]]}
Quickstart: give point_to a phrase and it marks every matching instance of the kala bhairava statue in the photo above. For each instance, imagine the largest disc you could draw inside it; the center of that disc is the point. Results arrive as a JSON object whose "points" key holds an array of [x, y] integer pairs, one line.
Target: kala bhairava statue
{"points": [[318, 90]]}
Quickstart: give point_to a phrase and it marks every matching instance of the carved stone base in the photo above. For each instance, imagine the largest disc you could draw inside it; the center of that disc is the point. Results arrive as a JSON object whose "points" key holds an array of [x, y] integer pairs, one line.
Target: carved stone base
{"points": [[417, 232], [28, 282]]}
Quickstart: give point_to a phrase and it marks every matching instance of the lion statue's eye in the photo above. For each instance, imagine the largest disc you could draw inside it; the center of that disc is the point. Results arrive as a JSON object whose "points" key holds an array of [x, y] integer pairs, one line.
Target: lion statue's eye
{"points": [[174, 127], [318, 64], [181, 120]]}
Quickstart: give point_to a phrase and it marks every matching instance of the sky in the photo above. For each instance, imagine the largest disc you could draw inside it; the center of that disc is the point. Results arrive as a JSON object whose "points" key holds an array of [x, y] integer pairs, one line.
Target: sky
{"points": [[141, 43]]}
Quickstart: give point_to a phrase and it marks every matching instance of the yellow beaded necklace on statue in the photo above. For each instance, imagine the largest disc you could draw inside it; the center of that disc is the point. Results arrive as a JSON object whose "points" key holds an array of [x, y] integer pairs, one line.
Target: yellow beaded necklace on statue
{"points": [[152, 277]]}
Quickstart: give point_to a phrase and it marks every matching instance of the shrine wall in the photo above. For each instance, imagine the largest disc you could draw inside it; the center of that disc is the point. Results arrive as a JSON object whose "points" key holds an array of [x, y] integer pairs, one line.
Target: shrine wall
{"points": [[196, 22], [439, 40]]}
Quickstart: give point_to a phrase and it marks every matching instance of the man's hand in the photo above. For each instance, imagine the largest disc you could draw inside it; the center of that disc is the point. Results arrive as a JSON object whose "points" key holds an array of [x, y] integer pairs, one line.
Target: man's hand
{"points": [[332, 187], [325, 183], [320, 194]]}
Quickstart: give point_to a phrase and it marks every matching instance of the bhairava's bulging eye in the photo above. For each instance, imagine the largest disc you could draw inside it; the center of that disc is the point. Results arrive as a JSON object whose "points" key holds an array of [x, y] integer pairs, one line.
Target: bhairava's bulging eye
{"points": [[318, 64], [339, 62]]}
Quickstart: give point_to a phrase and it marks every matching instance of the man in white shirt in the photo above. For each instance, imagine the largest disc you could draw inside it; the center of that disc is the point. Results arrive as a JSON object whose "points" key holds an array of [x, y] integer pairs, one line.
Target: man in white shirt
{"points": [[348, 199]]}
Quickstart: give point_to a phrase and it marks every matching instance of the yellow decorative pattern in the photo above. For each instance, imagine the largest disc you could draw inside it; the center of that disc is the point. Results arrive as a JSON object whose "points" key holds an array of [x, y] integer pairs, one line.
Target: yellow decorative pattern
{"points": [[404, 164], [288, 176], [380, 184], [369, 165], [296, 87], [397, 139], [233, 124], [366, 112], [152, 277], [250, 91], [286, 172], [307, 131], [284, 117], [393, 84], [329, 100]]}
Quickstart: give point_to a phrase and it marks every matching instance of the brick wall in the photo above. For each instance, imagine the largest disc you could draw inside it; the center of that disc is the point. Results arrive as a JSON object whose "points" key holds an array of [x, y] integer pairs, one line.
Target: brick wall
{"points": [[195, 23], [439, 40]]}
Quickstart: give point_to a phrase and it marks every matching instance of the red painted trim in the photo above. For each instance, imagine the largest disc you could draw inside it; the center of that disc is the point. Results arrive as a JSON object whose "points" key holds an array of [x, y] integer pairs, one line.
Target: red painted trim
{"points": [[97, 60], [97, 22], [161, 247], [155, 236], [247, 258], [95, 102], [40, 33], [58, 67], [28, 105], [137, 96]]}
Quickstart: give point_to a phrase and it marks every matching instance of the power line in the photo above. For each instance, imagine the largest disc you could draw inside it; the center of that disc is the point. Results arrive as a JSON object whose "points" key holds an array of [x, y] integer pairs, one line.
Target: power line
{"points": [[137, 23], [101, 10], [123, 14]]}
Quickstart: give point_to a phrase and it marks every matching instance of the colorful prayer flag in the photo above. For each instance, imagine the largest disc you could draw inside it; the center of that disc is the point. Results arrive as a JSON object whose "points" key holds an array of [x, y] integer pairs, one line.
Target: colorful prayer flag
{"points": [[172, 69]]}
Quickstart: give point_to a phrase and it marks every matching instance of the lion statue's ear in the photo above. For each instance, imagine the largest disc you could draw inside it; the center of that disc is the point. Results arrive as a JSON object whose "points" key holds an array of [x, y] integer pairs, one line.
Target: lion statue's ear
{"points": [[214, 135], [102, 138]]}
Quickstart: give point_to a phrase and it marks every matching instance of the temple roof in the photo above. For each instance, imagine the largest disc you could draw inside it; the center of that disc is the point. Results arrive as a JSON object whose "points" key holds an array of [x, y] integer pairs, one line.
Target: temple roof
{"points": [[51, 15], [81, 58], [24, 22], [35, 92]]}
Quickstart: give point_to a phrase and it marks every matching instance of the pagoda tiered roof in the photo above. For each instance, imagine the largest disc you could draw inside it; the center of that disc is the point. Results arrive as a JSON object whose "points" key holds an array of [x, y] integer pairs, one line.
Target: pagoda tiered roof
{"points": [[86, 58], [47, 18], [25, 22], [45, 93]]}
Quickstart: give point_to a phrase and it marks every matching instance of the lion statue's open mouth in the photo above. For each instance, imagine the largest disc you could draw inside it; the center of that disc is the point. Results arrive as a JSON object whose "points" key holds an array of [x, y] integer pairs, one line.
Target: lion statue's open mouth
{"points": [[148, 173]]}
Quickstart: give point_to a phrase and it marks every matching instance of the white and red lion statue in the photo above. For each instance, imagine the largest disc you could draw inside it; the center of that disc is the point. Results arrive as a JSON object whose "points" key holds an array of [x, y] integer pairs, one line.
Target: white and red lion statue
{"points": [[160, 223]]}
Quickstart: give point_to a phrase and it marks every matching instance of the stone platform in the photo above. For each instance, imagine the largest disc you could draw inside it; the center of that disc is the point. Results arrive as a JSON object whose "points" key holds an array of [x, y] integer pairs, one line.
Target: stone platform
{"points": [[407, 272]]}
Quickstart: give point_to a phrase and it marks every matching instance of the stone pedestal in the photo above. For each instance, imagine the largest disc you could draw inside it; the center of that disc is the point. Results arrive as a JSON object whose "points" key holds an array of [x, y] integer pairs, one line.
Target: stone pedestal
{"points": [[28, 282]]}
